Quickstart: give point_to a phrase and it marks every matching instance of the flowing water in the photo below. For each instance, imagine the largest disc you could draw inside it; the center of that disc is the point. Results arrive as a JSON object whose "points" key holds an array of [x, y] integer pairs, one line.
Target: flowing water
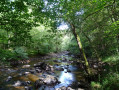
{"points": [[66, 78]]}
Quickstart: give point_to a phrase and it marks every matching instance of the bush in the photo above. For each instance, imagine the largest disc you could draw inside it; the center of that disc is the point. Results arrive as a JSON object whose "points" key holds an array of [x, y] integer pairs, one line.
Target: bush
{"points": [[20, 53], [111, 82], [112, 59], [6, 55], [95, 85], [17, 54]]}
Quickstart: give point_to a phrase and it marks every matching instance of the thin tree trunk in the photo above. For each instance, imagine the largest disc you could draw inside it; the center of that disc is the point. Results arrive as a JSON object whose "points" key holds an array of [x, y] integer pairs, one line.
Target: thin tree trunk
{"points": [[81, 48]]}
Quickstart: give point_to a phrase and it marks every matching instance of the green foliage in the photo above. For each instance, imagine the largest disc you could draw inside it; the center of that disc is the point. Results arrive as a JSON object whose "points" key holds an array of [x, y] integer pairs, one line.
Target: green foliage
{"points": [[95, 85], [46, 40], [11, 55], [20, 53], [111, 81], [112, 59], [73, 47], [7, 55], [97, 25]]}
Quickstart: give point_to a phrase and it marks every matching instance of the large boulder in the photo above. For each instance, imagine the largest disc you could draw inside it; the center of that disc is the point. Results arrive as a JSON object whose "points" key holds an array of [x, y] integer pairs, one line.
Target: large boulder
{"points": [[50, 80]]}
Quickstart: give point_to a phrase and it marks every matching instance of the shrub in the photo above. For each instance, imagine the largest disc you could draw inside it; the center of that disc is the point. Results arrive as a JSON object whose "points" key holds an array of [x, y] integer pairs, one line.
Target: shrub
{"points": [[6, 55], [111, 82], [95, 85], [17, 54], [20, 53]]}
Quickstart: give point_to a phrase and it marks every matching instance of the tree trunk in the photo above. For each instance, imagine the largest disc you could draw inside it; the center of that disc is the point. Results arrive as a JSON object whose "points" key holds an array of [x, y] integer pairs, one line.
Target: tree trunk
{"points": [[81, 48]]}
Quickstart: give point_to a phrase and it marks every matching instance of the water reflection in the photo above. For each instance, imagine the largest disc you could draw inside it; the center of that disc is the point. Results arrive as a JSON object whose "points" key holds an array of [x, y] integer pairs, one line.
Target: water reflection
{"points": [[66, 79]]}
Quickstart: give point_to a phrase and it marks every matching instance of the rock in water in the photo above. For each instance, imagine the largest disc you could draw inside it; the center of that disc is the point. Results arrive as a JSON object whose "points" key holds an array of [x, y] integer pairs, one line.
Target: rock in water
{"points": [[38, 84], [9, 78], [26, 73], [42, 65], [50, 80], [59, 69], [33, 78], [28, 88], [63, 88], [32, 71], [18, 83], [68, 70], [38, 70], [26, 66], [69, 88], [52, 68]]}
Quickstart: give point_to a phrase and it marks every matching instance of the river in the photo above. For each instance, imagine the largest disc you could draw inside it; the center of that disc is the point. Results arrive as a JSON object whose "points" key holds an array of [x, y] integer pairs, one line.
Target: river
{"points": [[70, 76]]}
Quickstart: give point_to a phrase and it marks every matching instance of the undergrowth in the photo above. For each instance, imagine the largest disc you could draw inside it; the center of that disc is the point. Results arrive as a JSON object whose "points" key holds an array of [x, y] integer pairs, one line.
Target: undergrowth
{"points": [[110, 79]]}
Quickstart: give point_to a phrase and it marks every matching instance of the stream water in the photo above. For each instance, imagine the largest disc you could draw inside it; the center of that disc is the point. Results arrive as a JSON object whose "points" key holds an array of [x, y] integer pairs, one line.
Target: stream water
{"points": [[66, 78]]}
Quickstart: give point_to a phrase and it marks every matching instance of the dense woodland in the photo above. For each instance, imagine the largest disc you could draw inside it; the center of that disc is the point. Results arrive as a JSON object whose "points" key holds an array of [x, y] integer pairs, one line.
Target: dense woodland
{"points": [[30, 27]]}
